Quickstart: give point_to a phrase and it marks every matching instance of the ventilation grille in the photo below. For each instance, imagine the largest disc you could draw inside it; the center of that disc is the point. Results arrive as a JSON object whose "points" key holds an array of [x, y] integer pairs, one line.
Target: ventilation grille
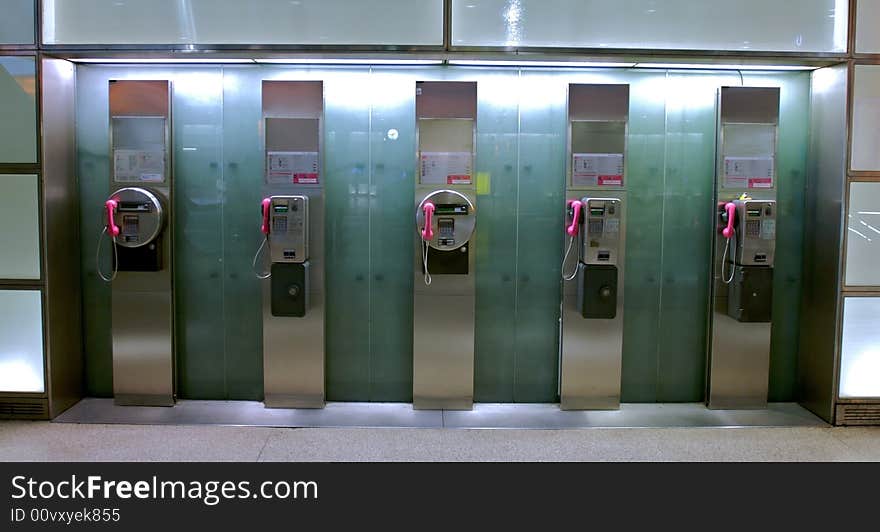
{"points": [[23, 409], [858, 414]]}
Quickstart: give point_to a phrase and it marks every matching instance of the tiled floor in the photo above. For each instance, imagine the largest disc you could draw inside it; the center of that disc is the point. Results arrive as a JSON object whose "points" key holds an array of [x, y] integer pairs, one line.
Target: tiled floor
{"points": [[42, 441]]}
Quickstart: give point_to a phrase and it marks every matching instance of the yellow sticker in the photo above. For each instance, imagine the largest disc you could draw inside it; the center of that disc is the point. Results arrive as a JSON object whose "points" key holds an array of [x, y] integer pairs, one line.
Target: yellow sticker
{"points": [[484, 183]]}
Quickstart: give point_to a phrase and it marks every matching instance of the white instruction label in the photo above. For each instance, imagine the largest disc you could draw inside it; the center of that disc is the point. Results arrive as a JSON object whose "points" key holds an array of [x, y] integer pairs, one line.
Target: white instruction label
{"points": [[597, 169], [748, 172], [139, 166], [445, 168], [299, 167]]}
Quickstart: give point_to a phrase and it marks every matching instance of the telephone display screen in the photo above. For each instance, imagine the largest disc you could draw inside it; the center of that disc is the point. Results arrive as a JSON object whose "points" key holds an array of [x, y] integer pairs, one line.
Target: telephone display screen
{"points": [[451, 208], [280, 208], [754, 212], [597, 211]]}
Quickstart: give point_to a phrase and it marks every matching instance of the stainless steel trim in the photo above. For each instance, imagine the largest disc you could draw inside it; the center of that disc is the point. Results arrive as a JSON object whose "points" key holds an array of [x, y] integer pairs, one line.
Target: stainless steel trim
{"points": [[60, 237], [818, 357]]}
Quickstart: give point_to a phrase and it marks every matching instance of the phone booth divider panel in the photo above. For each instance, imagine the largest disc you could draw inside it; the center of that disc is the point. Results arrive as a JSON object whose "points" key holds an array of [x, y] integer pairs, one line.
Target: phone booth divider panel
{"points": [[744, 247], [445, 223], [292, 225], [591, 343], [139, 217]]}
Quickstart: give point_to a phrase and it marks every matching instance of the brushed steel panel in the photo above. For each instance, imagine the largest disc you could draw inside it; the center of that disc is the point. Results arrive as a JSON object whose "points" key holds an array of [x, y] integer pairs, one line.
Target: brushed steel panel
{"points": [[591, 350], [293, 348], [740, 364], [143, 365], [443, 350], [293, 355], [443, 329], [63, 300], [823, 241], [591, 360]]}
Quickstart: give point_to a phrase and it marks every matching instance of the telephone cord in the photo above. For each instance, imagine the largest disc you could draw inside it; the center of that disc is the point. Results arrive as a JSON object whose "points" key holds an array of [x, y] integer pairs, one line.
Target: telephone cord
{"points": [[264, 275], [425, 263], [724, 277], [565, 259], [98, 257]]}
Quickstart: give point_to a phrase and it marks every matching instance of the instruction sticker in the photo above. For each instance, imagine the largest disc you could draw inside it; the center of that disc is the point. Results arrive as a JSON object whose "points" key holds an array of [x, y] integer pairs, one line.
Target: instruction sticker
{"points": [[143, 166], [446, 168], [748, 172], [597, 169], [299, 167]]}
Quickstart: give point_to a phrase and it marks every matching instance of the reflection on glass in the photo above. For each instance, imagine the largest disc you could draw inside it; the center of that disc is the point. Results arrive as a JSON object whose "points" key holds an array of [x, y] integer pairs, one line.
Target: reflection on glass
{"points": [[414, 22], [18, 127], [863, 238], [866, 116], [19, 227], [21, 348], [860, 349], [867, 37], [752, 25], [17, 22]]}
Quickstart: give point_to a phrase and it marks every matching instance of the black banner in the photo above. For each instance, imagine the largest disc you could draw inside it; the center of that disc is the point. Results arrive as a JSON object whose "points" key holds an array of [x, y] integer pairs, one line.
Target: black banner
{"points": [[222, 496]]}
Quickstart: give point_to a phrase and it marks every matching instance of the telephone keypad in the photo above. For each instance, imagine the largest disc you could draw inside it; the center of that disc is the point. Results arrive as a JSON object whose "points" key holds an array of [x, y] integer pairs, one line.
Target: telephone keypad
{"points": [[279, 224]]}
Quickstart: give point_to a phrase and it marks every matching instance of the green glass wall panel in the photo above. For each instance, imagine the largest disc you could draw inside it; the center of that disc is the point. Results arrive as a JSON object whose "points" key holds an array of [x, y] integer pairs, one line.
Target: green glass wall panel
{"points": [[241, 194], [93, 173], [496, 179], [199, 269], [645, 178], [18, 109], [347, 188], [687, 218], [392, 233], [539, 245], [791, 161]]}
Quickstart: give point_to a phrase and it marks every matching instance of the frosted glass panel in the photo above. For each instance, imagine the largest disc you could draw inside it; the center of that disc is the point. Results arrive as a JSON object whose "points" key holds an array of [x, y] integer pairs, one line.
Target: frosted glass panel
{"points": [[21, 348], [19, 227], [815, 26], [17, 22], [863, 238], [413, 22], [860, 350], [18, 114], [866, 116], [867, 19]]}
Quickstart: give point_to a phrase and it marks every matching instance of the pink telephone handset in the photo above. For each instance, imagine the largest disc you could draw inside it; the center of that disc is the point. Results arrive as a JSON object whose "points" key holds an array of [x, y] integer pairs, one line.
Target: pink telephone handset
{"points": [[572, 229], [428, 231], [727, 232], [112, 228], [265, 204]]}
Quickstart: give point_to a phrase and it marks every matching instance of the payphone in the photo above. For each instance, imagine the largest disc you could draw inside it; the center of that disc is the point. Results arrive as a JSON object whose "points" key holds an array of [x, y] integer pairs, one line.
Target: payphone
{"points": [[591, 342], [286, 235], [137, 220], [292, 228], [445, 232], [745, 244], [749, 254]]}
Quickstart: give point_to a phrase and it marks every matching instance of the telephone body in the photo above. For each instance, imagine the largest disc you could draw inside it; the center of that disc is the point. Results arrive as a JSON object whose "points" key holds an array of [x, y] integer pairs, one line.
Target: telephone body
{"points": [[286, 229], [445, 220], [750, 258], [599, 258], [135, 222]]}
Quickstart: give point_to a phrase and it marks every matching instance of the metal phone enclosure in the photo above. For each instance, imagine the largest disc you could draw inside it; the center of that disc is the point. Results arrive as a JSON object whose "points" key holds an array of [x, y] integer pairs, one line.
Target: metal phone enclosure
{"points": [[142, 301]]}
